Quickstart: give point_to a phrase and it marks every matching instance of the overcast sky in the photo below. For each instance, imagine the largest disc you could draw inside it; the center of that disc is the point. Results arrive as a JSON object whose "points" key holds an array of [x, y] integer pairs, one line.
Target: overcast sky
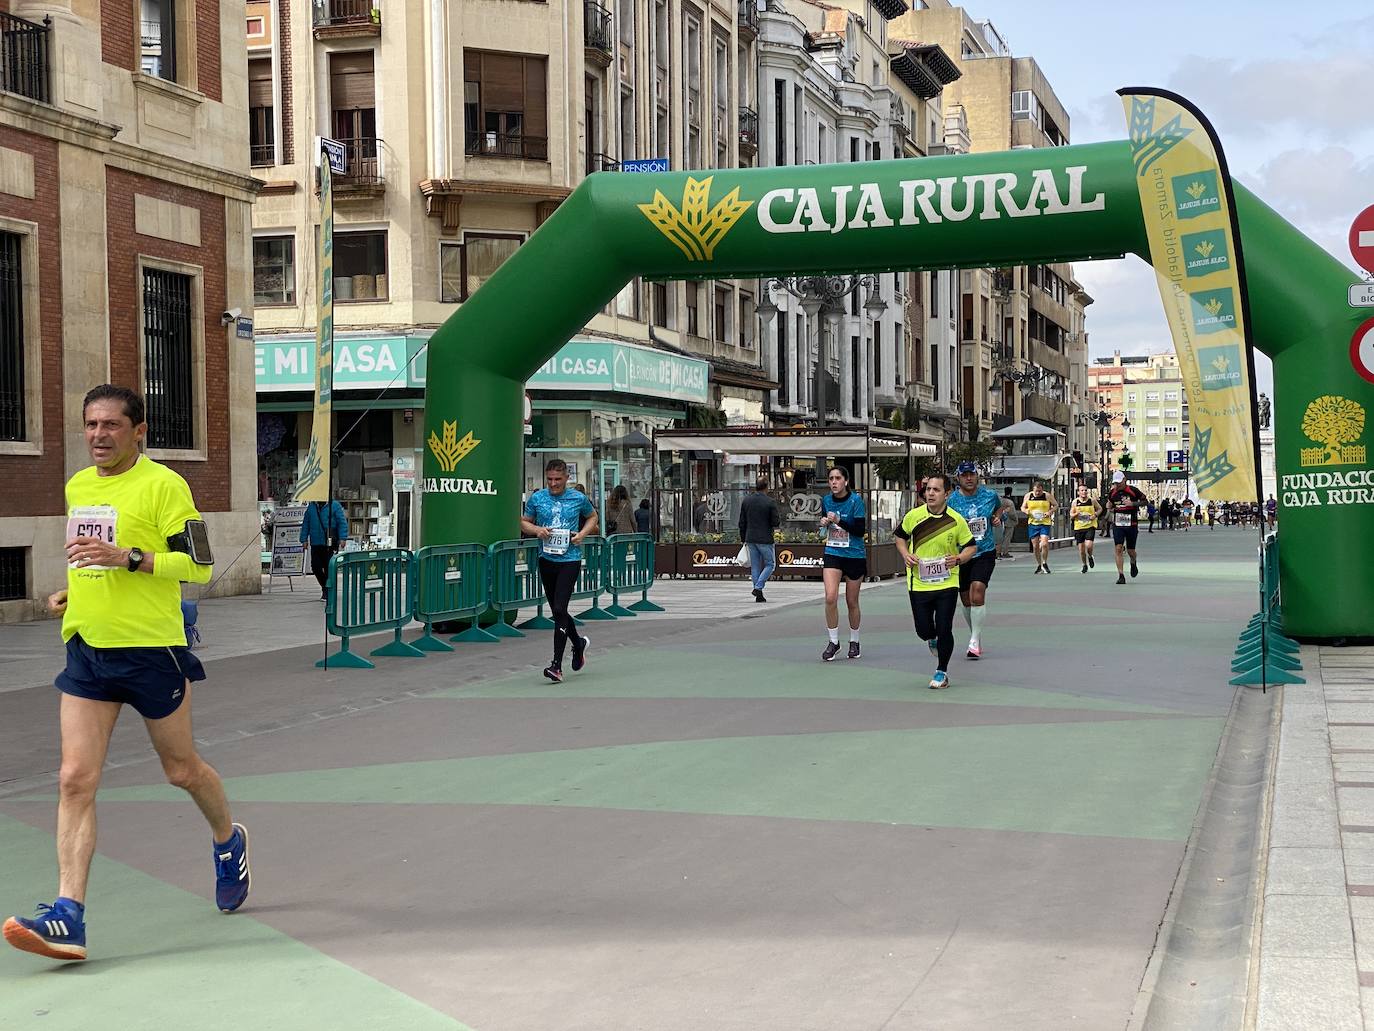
{"points": [[1287, 87]]}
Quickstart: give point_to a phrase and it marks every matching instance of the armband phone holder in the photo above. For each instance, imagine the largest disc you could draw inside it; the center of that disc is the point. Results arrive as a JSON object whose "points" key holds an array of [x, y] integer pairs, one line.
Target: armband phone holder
{"points": [[194, 540]]}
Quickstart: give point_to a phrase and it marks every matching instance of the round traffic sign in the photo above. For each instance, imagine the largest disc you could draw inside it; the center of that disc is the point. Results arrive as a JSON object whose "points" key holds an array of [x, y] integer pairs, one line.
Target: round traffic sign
{"points": [[1362, 350], [1362, 239]]}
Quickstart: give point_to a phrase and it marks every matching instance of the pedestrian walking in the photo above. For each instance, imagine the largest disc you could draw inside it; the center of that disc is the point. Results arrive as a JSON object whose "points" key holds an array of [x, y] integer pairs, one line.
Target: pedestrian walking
{"points": [[562, 518], [1009, 521], [324, 528], [759, 518], [619, 518], [843, 525], [133, 537], [1151, 512], [644, 517], [934, 542]]}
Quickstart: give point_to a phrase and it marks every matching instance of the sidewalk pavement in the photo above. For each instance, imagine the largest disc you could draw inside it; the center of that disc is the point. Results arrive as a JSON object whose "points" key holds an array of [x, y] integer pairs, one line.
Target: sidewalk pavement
{"points": [[1316, 949]]}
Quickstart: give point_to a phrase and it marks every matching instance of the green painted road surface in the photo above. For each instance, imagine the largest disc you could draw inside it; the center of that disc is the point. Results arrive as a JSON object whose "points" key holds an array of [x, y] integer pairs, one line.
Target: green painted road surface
{"points": [[707, 828]]}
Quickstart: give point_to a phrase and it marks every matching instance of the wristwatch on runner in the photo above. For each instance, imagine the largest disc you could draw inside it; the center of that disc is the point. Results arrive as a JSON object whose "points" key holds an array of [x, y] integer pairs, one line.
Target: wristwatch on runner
{"points": [[135, 559]]}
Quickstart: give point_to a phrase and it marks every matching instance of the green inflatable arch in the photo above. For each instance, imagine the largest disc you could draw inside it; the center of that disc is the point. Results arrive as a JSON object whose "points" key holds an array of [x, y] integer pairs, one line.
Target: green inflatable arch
{"points": [[1068, 203]]}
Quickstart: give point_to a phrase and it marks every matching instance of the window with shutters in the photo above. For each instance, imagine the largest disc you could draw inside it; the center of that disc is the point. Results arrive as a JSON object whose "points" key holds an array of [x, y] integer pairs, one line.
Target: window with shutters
{"points": [[170, 357], [262, 132], [463, 267], [13, 400], [353, 107], [505, 105]]}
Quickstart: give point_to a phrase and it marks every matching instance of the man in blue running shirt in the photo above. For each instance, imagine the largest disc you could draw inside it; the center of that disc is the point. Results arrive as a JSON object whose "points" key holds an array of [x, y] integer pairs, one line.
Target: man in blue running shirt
{"points": [[843, 524], [981, 508], [562, 518]]}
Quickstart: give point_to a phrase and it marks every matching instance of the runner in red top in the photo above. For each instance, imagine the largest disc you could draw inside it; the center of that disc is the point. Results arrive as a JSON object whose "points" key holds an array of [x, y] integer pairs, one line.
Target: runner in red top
{"points": [[1125, 503]]}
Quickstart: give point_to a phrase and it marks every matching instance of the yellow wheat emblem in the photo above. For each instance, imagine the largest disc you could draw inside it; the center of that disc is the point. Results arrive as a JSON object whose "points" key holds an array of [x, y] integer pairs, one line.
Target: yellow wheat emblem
{"points": [[450, 451], [1205, 248], [1196, 190], [694, 229], [1221, 363], [1213, 306]]}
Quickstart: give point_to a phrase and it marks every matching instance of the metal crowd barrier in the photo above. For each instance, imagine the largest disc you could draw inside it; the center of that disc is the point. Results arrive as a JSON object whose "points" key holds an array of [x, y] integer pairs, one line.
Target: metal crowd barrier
{"points": [[369, 591], [592, 581], [453, 582], [629, 565], [514, 582], [1264, 655]]}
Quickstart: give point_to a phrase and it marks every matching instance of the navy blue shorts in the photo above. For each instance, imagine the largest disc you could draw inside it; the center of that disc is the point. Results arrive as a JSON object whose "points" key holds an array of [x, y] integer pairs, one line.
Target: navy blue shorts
{"points": [[152, 680]]}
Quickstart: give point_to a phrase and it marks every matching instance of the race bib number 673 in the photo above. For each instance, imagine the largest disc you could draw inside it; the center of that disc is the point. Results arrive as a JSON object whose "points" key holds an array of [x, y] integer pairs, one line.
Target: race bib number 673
{"points": [[96, 521]]}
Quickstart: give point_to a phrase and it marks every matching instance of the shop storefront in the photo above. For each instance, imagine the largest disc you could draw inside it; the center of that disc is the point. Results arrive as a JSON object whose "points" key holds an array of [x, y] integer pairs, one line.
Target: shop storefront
{"points": [[596, 404]]}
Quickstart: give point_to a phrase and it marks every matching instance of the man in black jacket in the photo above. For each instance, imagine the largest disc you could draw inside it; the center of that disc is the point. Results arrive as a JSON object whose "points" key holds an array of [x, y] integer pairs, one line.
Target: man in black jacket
{"points": [[758, 518]]}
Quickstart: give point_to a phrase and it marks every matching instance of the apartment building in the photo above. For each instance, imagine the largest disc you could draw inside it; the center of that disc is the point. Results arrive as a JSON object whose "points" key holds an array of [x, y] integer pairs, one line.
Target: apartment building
{"points": [[1017, 325], [125, 202], [838, 87], [444, 181], [1146, 396]]}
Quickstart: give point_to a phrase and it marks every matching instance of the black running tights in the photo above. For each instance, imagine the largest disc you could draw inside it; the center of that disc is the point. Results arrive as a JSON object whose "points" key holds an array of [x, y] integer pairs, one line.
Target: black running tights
{"points": [[559, 580], [933, 614]]}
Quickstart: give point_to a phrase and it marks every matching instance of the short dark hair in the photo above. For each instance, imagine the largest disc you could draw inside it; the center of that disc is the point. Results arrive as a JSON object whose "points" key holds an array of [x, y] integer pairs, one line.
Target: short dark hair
{"points": [[132, 400], [838, 469], [556, 465], [643, 502], [761, 483], [942, 477]]}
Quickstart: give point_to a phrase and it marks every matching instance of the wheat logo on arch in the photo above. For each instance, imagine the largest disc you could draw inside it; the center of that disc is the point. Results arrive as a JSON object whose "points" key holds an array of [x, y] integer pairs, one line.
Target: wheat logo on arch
{"points": [[449, 451], [694, 229], [1336, 423]]}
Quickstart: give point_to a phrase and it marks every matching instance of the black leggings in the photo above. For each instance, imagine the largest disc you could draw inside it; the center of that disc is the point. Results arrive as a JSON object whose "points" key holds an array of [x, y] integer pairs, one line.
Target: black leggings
{"points": [[933, 614], [320, 554], [560, 580]]}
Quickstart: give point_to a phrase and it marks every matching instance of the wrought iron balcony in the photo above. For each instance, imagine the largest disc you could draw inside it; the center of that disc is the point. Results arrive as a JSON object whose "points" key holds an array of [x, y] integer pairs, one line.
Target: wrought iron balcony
{"points": [[602, 163], [336, 18], [24, 57], [748, 18], [597, 33], [364, 166], [749, 129], [261, 155], [506, 145]]}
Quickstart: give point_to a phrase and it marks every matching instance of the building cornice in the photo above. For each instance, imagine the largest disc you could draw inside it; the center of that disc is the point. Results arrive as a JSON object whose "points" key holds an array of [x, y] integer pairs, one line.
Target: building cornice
{"points": [[54, 122]]}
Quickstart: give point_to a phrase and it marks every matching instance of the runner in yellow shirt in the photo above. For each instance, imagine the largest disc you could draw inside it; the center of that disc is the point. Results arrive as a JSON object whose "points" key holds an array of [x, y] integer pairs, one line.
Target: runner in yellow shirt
{"points": [[133, 536], [1084, 513], [934, 541], [1039, 506]]}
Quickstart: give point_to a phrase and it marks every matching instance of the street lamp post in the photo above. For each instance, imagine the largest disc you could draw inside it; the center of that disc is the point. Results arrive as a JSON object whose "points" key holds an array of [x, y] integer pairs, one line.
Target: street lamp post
{"points": [[822, 295], [1103, 419]]}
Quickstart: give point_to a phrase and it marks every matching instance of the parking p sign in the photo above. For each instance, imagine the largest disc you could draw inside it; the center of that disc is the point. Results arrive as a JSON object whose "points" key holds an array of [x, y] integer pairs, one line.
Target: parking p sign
{"points": [[1178, 459]]}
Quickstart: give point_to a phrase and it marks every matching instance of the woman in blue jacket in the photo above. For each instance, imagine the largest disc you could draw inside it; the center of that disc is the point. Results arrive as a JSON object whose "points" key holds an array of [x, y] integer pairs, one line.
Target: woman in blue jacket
{"points": [[325, 527]]}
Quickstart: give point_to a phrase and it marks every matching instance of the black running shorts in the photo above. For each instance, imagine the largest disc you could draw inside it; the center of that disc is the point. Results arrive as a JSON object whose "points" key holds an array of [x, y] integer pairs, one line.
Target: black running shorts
{"points": [[850, 568], [977, 570], [1087, 534], [1126, 535]]}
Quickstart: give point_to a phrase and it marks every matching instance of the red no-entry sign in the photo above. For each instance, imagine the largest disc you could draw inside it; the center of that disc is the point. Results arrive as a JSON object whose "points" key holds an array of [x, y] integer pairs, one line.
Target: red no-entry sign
{"points": [[1362, 239], [1362, 350]]}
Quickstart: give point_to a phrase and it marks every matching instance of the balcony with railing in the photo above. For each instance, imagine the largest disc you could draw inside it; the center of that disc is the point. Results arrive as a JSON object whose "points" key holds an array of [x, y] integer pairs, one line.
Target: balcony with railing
{"points": [[506, 145], [602, 163], [261, 155], [597, 35], [363, 177], [25, 57], [748, 132], [339, 19], [748, 19]]}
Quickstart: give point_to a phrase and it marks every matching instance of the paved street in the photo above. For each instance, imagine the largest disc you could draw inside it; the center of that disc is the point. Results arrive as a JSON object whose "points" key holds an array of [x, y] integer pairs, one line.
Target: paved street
{"points": [[707, 828]]}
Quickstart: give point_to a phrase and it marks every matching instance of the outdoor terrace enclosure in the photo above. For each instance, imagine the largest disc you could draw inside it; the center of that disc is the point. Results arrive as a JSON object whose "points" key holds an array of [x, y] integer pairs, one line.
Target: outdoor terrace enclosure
{"points": [[1068, 203]]}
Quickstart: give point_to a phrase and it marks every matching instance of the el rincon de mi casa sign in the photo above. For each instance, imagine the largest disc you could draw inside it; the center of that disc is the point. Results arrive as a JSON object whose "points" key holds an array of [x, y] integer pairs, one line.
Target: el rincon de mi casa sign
{"points": [[1072, 203], [376, 362]]}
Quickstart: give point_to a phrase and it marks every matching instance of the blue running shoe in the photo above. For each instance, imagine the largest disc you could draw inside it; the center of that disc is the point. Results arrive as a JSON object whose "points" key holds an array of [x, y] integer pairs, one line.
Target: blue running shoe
{"points": [[232, 879], [940, 681], [57, 932]]}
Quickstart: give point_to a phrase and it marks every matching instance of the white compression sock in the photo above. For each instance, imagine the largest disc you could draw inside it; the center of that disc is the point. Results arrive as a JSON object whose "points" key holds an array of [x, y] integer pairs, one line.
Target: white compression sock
{"points": [[854, 634], [834, 633], [978, 613], [968, 617]]}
